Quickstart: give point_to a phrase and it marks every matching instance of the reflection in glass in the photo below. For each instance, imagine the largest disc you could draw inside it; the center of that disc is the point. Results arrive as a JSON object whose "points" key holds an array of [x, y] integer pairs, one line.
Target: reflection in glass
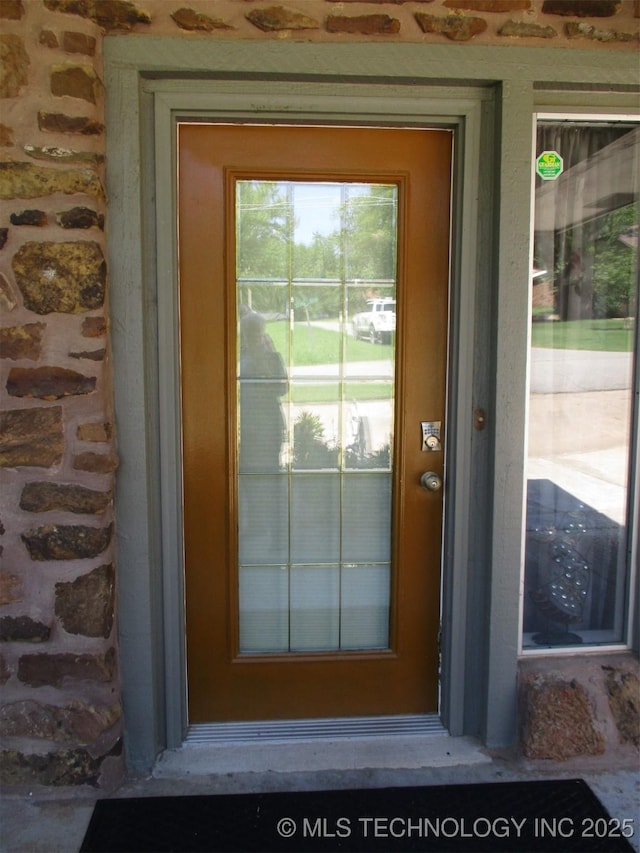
{"points": [[584, 312], [263, 383], [316, 316]]}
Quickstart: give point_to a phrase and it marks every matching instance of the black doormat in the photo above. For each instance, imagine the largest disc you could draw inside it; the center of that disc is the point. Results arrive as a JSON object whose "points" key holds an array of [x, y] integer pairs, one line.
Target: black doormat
{"points": [[544, 816]]}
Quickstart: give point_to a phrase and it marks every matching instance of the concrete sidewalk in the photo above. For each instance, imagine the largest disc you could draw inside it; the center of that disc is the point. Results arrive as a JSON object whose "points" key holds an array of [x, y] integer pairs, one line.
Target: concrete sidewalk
{"points": [[55, 821]]}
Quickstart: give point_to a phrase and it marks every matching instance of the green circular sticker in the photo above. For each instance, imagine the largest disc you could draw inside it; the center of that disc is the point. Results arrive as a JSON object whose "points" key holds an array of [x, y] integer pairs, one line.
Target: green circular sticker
{"points": [[549, 165]]}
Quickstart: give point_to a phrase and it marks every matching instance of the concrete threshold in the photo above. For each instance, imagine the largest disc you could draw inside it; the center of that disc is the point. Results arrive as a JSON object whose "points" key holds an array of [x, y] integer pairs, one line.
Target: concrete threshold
{"points": [[313, 755]]}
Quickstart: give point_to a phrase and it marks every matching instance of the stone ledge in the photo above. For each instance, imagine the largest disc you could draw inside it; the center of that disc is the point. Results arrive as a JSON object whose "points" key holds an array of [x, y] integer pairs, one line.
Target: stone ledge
{"points": [[579, 706], [64, 767]]}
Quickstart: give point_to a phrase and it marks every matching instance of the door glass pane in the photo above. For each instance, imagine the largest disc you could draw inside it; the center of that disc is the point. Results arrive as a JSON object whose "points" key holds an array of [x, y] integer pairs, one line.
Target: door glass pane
{"points": [[316, 317], [581, 409], [365, 606]]}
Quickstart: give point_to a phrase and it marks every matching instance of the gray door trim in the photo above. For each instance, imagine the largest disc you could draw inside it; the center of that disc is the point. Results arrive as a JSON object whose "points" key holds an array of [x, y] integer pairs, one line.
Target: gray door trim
{"points": [[171, 107]]}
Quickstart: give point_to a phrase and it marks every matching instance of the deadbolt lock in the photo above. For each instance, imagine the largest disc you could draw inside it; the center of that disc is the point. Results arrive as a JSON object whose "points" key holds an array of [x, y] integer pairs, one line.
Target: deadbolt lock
{"points": [[431, 440]]}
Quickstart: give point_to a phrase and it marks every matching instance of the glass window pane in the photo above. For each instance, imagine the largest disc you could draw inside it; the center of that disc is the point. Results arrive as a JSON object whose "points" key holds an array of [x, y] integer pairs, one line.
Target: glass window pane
{"points": [[263, 227], [584, 309], [262, 390], [318, 231], [315, 608], [264, 603], [370, 233], [315, 518], [365, 607], [368, 428], [316, 333], [366, 532], [316, 425], [262, 523], [316, 319]]}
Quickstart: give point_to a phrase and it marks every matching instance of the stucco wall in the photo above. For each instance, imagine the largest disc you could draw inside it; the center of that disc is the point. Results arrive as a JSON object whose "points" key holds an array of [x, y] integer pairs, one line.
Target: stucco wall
{"points": [[60, 719]]}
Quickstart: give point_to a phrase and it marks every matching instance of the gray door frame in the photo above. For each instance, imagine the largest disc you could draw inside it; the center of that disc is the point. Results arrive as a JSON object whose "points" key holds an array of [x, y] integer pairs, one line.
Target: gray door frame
{"points": [[489, 102]]}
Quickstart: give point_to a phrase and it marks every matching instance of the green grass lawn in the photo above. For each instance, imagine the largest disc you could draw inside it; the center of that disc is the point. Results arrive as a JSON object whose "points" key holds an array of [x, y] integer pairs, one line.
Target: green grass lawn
{"points": [[329, 392], [601, 335], [313, 345]]}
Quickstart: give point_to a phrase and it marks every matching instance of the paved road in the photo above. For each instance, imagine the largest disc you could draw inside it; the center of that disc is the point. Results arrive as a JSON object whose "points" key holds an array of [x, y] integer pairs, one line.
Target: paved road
{"points": [[382, 369], [555, 371]]}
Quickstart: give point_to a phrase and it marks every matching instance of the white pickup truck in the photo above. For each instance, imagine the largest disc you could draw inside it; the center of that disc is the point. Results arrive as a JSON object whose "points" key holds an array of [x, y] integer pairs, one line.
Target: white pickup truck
{"points": [[378, 322]]}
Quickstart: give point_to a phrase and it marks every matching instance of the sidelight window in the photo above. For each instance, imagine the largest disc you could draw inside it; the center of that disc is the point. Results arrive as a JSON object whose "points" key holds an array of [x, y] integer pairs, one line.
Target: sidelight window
{"points": [[581, 468]]}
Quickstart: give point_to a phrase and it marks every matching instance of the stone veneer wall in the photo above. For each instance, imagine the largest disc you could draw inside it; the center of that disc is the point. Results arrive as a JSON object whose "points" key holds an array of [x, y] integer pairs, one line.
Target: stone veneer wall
{"points": [[60, 717]]}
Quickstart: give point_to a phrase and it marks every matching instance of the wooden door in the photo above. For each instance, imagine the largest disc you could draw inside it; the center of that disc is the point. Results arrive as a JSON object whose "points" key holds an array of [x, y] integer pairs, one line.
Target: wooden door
{"points": [[313, 266]]}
